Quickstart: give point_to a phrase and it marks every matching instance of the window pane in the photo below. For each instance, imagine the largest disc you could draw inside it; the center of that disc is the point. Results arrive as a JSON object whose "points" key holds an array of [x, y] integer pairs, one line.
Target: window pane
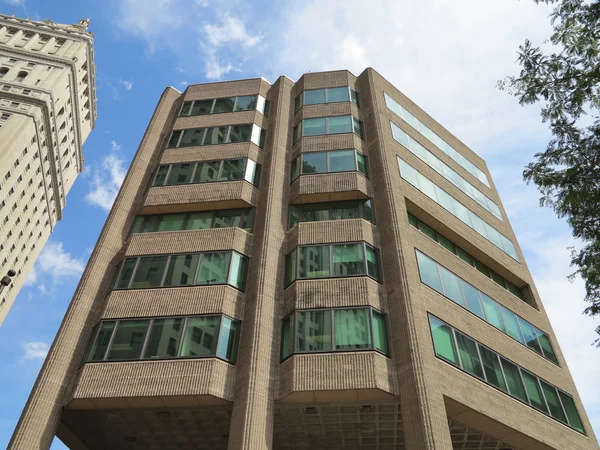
{"points": [[451, 285], [342, 161], [185, 109], [286, 337], [367, 211], [240, 133], [443, 341], [467, 349], [444, 199], [98, 349], [553, 402], [314, 163], [223, 105], [233, 170], [180, 174], [473, 301], [345, 210], [128, 340], [362, 164], [295, 166], [571, 410], [164, 338], [426, 187], [248, 221], [510, 322], [429, 273], [182, 270], [462, 213], [171, 222], [413, 220], [544, 340], [201, 107], [228, 218], [199, 220], [298, 103], [290, 268], [408, 173], [354, 97], [215, 135], [152, 223], [513, 380], [482, 268], [213, 268], [313, 127], [126, 272], [514, 290], [314, 262], [246, 103], [314, 96], [313, 331], [533, 391], [446, 244], [379, 333], [478, 224], [530, 336], [252, 174], [138, 224], [357, 127], [348, 260], [339, 94], [201, 335], [237, 273], [493, 371], [372, 262], [296, 132], [491, 312], [228, 340], [465, 256], [295, 215], [161, 176], [430, 232], [174, 139], [340, 124], [207, 171], [352, 329], [314, 213], [149, 272], [192, 137]]}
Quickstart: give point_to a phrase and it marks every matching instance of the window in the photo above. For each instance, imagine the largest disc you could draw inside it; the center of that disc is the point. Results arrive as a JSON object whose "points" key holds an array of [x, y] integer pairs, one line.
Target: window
{"points": [[209, 171], [241, 218], [466, 257], [331, 261], [3, 71], [224, 105], [328, 162], [327, 95], [435, 139], [454, 207], [21, 76], [315, 212], [487, 365], [333, 330], [328, 125], [227, 134], [141, 272], [444, 170], [164, 338], [462, 293]]}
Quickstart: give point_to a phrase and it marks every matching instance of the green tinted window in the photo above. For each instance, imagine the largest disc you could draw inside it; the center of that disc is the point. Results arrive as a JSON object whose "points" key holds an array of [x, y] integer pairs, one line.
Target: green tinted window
{"points": [[314, 213], [446, 244], [199, 220], [290, 268], [128, 340], [182, 269], [240, 133], [553, 402], [491, 312], [413, 221], [223, 105], [207, 171], [530, 335], [451, 285], [161, 176], [314, 162], [362, 164], [510, 322], [348, 260], [246, 103], [443, 340], [379, 333], [192, 137], [357, 127], [100, 344], [287, 337], [473, 300], [429, 232], [238, 271], [126, 272], [228, 341], [469, 358], [313, 331], [342, 161], [513, 380], [340, 124], [492, 368], [233, 169], [201, 107], [314, 96], [314, 262], [465, 256], [201, 335], [171, 222], [180, 174], [571, 410], [313, 127], [174, 139], [213, 268], [216, 135], [372, 262], [164, 338], [228, 218], [534, 392], [368, 211], [352, 329], [149, 272], [345, 210], [339, 94], [546, 346]]}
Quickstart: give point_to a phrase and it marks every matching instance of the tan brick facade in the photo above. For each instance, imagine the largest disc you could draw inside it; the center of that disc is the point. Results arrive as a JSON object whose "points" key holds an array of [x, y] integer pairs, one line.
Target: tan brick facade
{"points": [[405, 399]]}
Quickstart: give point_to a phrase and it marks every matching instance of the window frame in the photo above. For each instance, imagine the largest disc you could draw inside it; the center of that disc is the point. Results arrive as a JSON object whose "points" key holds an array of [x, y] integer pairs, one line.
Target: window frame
{"points": [[299, 162], [299, 127], [204, 130], [214, 101], [255, 182], [298, 105], [361, 209]]}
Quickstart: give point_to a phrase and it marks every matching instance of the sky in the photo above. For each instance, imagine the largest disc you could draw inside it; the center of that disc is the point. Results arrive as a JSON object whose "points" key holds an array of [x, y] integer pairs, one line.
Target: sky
{"points": [[446, 55]]}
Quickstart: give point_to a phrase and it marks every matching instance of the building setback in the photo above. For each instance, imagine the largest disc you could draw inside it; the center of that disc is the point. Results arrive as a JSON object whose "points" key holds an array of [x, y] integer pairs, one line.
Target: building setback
{"points": [[47, 110], [310, 265]]}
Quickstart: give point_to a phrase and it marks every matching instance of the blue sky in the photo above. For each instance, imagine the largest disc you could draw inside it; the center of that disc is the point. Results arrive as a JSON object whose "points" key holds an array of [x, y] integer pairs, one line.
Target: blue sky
{"points": [[446, 55]]}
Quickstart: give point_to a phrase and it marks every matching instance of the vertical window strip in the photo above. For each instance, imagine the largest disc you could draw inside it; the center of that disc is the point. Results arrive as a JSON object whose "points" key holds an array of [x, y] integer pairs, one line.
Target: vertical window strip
{"points": [[473, 300], [517, 382], [457, 209]]}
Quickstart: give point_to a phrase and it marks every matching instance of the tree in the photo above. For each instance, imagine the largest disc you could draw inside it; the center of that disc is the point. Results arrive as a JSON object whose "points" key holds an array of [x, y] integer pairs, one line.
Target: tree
{"points": [[565, 79]]}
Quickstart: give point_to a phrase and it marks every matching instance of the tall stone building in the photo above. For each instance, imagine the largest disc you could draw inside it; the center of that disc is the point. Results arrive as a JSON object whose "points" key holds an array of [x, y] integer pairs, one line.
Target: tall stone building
{"points": [[47, 110], [310, 265]]}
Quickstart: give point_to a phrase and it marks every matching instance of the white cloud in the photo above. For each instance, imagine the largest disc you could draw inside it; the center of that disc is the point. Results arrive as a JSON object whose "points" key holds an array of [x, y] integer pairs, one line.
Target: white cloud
{"points": [[214, 67], [184, 83], [15, 2], [230, 30], [104, 181], [127, 84], [58, 263], [32, 277], [202, 3], [115, 146], [35, 350]]}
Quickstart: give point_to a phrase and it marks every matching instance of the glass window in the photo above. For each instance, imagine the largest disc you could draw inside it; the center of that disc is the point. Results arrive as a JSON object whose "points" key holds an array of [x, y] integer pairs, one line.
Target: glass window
{"points": [[164, 338], [150, 272], [199, 220], [345, 210], [443, 341], [340, 124], [296, 132], [314, 96], [473, 301], [513, 380], [192, 137], [138, 224], [207, 172], [514, 290], [314, 262], [246, 103], [342, 161], [313, 331], [427, 187], [451, 285], [352, 329], [315, 213], [544, 341], [372, 262], [446, 244], [252, 174], [180, 174], [492, 368], [530, 335], [348, 260], [429, 232], [213, 268], [408, 173], [491, 312], [286, 337], [482, 268], [534, 392], [367, 211], [238, 271], [571, 410], [379, 333], [174, 139], [465, 256], [100, 344], [216, 135], [362, 164], [313, 127], [354, 97], [248, 221], [314, 162], [161, 176], [202, 107], [228, 218], [152, 224], [228, 340], [233, 169], [171, 222], [126, 272], [240, 133], [469, 358], [182, 269], [510, 322], [295, 169], [339, 94], [185, 109], [298, 103], [444, 199], [413, 220], [429, 272], [290, 268], [553, 402], [224, 105], [357, 127], [128, 340], [201, 336]]}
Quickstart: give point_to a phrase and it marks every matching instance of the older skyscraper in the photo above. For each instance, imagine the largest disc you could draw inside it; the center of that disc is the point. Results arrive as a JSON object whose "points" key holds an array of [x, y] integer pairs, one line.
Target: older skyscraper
{"points": [[47, 110], [310, 265]]}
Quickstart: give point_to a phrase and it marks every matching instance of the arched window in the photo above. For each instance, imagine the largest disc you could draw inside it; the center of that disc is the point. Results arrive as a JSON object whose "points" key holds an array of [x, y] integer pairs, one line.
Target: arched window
{"points": [[3, 71], [21, 76]]}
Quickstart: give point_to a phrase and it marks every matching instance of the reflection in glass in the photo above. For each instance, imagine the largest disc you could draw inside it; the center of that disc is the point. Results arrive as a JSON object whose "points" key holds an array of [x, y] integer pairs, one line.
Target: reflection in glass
{"points": [[201, 336], [314, 262], [128, 340], [182, 269], [213, 268], [352, 329], [313, 331], [149, 272], [164, 338]]}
